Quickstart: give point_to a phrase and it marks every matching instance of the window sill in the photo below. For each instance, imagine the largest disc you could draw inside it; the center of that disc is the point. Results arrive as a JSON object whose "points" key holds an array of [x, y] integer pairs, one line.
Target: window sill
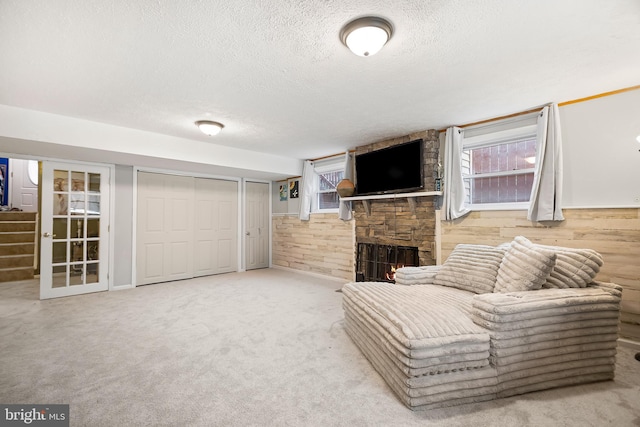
{"points": [[325, 211], [499, 206]]}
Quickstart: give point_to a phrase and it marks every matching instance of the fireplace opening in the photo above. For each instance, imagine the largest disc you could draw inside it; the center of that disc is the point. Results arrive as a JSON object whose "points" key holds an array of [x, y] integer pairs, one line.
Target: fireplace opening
{"points": [[378, 263]]}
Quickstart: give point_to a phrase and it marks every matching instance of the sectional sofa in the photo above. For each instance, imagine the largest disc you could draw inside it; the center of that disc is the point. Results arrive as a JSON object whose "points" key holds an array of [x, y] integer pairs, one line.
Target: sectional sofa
{"points": [[491, 322]]}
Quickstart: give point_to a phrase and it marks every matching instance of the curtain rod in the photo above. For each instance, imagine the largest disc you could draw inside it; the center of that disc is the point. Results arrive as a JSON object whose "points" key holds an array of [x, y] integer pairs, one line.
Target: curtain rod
{"points": [[600, 95], [560, 104], [330, 156], [495, 119], [291, 177], [315, 160]]}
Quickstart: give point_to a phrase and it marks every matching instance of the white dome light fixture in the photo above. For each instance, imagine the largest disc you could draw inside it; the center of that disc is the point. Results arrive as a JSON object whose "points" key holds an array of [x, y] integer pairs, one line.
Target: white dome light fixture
{"points": [[209, 128], [366, 36]]}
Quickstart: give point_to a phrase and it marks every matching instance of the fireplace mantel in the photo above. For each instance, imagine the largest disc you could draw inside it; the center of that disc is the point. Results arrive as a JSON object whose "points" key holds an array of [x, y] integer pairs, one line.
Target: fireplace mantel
{"points": [[411, 198]]}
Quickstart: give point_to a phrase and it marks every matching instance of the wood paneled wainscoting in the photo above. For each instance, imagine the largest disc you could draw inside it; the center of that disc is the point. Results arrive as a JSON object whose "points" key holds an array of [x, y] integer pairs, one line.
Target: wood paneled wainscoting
{"points": [[614, 233], [323, 245]]}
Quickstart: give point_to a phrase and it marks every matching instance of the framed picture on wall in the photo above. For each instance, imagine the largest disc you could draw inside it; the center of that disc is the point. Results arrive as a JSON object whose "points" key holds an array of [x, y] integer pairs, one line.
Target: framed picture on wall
{"points": [[293, 189], [283, 192]]}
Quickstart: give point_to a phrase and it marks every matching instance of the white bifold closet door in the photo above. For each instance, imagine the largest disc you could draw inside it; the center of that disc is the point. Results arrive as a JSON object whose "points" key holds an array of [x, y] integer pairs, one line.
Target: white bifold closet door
{"points": [[186, 227], [216, 226]]}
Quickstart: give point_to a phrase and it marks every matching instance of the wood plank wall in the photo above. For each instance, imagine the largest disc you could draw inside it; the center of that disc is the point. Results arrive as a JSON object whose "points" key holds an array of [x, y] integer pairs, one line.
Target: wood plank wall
{"points": [[614, 233], [323, 245]]}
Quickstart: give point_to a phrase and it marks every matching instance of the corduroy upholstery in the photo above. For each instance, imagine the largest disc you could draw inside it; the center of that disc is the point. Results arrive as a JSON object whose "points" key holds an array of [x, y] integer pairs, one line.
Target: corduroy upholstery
{"points": [[439, 346]]}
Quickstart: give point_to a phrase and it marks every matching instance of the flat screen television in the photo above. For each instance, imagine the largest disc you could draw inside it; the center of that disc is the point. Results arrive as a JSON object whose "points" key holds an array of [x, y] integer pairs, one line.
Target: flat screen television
{"points": [[396, 169]]}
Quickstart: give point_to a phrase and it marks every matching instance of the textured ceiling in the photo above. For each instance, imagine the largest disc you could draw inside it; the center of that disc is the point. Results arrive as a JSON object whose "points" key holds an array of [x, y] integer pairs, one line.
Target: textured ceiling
{"points": [[276, 74]]}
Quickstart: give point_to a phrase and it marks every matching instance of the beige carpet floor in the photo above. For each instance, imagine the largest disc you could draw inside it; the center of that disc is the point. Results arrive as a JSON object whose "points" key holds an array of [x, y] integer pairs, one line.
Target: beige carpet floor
{"points": [[261, 348]]}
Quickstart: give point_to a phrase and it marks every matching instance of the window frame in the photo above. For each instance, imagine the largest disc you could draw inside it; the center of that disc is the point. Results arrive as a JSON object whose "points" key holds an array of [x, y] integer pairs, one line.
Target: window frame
{"points": [[492, 139], [325, 167]]}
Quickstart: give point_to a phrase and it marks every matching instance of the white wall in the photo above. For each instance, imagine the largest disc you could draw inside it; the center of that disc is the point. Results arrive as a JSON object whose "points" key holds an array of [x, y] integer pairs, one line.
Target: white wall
{"points": [[601, 157], [601, 154], [289, 206], [123, 226], [35, 133]]}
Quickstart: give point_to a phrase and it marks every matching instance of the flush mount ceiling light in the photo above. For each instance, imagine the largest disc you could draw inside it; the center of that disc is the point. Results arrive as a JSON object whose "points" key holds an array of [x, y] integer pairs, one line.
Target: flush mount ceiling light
{"points": [[209, 128], [366, 36]]}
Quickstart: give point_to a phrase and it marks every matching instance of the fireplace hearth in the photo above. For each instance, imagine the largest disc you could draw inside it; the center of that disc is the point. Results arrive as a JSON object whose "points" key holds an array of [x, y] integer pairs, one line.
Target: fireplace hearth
{"points": [[378, 263]]}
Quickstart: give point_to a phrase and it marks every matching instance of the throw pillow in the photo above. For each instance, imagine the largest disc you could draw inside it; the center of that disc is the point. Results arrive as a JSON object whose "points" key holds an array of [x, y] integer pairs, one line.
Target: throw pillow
{"points": [[471, 268], [575, 268], [525, 267]]}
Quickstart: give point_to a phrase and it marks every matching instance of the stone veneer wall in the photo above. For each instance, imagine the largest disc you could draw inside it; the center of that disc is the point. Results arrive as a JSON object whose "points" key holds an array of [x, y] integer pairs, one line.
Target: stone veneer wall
{"points": [[392, 221]]}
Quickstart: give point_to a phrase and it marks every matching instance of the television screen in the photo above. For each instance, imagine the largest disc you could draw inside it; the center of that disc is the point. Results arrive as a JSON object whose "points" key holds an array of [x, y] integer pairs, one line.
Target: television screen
{"points": [[390, 170]]}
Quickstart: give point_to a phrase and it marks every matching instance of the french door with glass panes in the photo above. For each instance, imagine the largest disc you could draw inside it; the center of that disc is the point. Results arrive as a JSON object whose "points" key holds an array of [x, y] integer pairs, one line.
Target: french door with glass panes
{"points": [[75, 225]]}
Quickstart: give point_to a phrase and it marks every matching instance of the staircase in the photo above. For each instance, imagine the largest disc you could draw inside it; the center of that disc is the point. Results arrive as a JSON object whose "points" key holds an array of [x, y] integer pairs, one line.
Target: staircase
{"points": [[17, 245]]}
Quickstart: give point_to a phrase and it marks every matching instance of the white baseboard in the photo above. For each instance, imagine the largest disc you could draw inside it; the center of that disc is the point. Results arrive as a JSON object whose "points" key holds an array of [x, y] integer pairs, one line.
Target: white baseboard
{"points": [[121, 287], [629, 343]]}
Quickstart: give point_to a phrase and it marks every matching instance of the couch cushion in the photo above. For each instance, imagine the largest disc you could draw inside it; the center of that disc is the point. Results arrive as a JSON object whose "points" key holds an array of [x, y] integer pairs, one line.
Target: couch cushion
{"points": [[471, 268], [417, 275], [575, 268], [525, 266], [419, 326]]}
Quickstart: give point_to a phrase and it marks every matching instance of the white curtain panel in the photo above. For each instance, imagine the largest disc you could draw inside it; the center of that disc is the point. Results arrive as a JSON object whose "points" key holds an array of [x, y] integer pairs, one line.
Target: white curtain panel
{"points": [[454, 196], [344, 212], [306, 190], [546, 193]]}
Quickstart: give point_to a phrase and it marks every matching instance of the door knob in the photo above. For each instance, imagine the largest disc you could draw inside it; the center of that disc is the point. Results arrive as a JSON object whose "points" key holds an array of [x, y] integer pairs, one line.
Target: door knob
{"points": [[46, 234], [248, 233]]}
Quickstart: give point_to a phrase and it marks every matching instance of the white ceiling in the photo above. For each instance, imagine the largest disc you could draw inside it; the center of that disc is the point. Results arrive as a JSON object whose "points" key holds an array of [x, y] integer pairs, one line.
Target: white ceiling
{"points": [[276, 74]]}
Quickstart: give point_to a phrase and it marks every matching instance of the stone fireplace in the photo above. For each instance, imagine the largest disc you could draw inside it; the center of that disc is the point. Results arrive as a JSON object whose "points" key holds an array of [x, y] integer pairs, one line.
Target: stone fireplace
{"points": [[378, 263], [401, 221]]}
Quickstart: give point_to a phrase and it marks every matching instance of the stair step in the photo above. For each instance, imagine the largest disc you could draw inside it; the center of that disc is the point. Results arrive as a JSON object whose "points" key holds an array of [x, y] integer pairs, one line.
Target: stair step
{"points": [[17, 248], [17, 226], [17, 216], [17, 237], [13, 261], [14, 274]]}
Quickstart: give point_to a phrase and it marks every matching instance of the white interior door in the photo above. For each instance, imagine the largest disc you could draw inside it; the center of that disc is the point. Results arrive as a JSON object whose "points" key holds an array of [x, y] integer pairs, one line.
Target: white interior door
{"points": [[75, 227], [216, 226], [257, 225], [164, 228], [24, 184]]}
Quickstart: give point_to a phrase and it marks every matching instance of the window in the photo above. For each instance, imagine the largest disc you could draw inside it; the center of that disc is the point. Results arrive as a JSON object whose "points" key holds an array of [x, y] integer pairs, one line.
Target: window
{"points": [[327, 194], [498, 167], [329, 173]]}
